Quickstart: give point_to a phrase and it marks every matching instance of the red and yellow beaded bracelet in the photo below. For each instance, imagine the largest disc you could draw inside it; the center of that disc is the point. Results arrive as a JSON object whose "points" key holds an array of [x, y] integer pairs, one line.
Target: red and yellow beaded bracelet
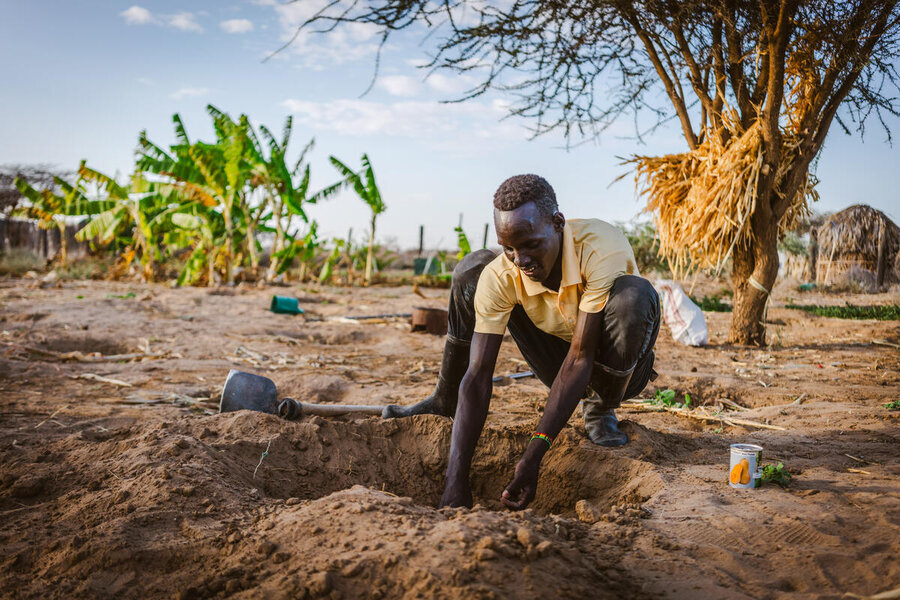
{"points": [[542, 436]]}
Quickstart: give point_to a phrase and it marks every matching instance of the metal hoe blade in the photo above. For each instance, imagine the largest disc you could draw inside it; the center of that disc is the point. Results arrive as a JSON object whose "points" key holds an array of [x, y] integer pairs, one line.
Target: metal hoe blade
{"points": [[246, 391]]}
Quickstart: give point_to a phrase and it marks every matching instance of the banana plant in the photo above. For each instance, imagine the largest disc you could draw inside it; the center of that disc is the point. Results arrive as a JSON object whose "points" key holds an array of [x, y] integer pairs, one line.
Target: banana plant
{"points": [[286, 192], [331, 260], [363, 183], [136, 212], [205, 227], [50, 207], [462, 239], [302, 249], [216, 174]]}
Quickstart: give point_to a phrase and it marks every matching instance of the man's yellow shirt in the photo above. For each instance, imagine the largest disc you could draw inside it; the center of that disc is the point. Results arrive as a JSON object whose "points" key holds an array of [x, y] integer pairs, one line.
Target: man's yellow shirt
{"points": [[594, 254]]}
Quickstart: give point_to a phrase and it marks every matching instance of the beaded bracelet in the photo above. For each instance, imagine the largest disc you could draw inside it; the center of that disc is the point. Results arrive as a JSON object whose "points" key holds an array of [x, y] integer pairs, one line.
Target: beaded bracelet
{"points": [[542, 436]]}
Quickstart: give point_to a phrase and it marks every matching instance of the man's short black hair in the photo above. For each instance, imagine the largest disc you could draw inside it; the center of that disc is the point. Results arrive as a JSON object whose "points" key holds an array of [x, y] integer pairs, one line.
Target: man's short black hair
{"points": [[521, 189]]}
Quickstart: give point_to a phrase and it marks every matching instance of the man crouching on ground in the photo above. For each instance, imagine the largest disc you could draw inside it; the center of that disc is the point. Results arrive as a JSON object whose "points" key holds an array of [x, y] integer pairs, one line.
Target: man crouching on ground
{"points": [[583, 319]]}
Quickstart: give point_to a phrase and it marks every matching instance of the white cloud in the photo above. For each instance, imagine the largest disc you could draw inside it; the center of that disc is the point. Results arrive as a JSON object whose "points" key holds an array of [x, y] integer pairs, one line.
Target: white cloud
{"points": [[399, 85], [137, 15], [236, 26], [471, 121], [189, 92], [184, 21], [350, 42], [449, 85]]}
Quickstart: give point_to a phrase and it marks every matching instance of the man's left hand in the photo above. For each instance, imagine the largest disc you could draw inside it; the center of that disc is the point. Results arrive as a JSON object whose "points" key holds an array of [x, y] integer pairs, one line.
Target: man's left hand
{"points": [[520, 492]]}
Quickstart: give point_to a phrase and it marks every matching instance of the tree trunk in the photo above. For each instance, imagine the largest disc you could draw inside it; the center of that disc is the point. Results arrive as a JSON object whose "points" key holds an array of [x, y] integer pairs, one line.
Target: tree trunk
{"points": [[813, 253], [229, 245], [881, 266], [211, 254], [759, 262], [348, 252], [63, 247], [251, 245], [278, 245], [369, 255]]}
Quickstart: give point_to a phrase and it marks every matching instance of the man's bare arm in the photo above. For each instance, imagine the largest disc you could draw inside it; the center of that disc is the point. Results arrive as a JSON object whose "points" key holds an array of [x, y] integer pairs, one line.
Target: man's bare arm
{"points": [[474, 400], [571, 381]]}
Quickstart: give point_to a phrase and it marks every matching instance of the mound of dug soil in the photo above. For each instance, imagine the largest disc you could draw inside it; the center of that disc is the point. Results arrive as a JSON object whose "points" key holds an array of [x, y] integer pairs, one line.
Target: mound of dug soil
{"points": [[118, 481], [194, 508]]}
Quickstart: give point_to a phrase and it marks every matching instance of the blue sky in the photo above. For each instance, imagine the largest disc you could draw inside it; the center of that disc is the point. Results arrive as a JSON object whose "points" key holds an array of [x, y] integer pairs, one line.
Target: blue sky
{"points": [[81, 79]]}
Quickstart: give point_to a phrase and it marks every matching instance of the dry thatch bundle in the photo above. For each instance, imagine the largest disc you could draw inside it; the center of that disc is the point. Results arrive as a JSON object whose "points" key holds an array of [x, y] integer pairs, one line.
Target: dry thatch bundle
{"points": [[851, 238], [702, 200], [795, 266]]}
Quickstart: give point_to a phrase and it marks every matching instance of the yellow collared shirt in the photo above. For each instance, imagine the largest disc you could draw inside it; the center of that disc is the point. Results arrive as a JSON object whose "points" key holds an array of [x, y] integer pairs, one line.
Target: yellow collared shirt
{"points": [[594, 254]]}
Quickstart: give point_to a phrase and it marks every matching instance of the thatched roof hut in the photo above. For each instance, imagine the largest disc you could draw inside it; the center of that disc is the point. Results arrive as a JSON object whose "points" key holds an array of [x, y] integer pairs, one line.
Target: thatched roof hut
{"points": [[861, 240]]}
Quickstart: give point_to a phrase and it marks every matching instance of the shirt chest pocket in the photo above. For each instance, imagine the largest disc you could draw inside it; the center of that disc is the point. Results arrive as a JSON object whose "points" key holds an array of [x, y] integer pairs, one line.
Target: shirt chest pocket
{"points": [[568, 304]]}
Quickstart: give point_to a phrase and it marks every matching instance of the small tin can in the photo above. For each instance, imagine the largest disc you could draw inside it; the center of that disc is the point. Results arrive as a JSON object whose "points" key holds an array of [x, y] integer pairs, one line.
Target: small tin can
{"points": [[745, 467]]}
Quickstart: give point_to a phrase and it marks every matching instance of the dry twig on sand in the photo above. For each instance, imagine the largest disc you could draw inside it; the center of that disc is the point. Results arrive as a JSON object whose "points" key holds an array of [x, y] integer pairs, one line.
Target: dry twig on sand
{"points": [[101, 379], [55, 412], [885, 343], [888, 595], [731, 403], [861, 460], [82, 357], [696, 414]]}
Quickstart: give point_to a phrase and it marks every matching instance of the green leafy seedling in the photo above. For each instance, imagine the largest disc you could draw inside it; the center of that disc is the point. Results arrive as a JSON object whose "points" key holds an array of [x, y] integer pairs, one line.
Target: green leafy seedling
{"points": [[666, 398], [718, 430], [122, 296], [895, 405], [776, 474]]}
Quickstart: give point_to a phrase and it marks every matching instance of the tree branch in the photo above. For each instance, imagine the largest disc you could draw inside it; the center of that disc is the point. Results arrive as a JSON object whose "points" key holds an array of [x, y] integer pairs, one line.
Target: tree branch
{"points": [[677, 102]]}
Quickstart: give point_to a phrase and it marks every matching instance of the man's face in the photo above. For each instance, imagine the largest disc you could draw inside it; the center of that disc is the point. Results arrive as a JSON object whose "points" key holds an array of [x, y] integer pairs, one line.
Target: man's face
{"points": [[529, 239]]}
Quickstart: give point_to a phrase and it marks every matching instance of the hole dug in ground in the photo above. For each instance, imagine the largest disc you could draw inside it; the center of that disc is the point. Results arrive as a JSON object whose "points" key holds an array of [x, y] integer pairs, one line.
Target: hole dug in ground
{"points": [[86, 344], [316, 457], [176, 504]]}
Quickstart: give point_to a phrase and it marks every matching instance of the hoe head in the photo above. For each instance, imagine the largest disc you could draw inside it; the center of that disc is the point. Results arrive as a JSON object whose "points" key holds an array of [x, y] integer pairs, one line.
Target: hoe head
{"points": [[246, 391]]}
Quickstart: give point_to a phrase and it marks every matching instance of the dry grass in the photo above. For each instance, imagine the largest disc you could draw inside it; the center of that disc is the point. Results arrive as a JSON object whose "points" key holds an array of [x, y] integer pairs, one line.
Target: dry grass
{"points": [[702, 200]]}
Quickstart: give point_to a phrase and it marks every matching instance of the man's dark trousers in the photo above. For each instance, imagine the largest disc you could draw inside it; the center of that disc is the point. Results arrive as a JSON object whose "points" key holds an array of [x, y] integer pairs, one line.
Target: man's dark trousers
{"points": [[625, 349]]}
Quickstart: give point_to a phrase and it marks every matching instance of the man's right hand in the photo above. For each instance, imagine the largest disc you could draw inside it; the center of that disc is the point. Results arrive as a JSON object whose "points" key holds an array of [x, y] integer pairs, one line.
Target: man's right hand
{"points": [[456, 496], [474, 401]]}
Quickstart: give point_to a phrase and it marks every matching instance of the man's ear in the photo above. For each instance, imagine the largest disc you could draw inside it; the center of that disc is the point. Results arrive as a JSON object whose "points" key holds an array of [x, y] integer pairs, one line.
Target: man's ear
{"points": [[559, 221]]}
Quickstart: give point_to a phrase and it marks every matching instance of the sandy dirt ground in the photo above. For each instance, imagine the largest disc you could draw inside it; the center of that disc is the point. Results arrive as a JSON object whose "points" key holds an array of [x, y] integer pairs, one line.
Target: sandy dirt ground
{"points": [[132, 486]]}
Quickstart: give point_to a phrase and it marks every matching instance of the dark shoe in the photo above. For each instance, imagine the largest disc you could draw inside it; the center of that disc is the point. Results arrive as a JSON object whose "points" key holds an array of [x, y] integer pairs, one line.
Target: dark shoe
{"points": [[443, 399], [432, 405], [602, 426]]}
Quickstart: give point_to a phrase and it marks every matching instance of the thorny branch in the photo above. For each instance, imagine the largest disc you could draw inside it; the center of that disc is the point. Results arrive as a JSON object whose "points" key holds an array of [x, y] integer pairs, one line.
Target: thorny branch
{"points": [[578, 67]]}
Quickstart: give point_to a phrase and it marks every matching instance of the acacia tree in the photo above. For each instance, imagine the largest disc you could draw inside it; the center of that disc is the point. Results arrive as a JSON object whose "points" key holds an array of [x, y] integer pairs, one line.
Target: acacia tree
{"points": [[754, 86]]}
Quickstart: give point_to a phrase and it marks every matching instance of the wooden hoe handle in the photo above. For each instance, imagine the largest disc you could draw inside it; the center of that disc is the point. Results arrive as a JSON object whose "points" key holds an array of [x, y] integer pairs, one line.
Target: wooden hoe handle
{"points": [[292, 409]]}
